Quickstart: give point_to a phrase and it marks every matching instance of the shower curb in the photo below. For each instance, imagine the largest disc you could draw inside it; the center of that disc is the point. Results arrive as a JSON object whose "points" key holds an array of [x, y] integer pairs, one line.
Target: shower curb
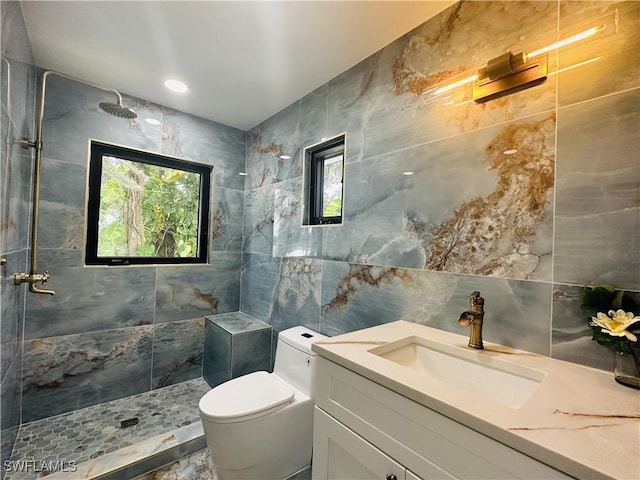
{"points": [[140, 458]]}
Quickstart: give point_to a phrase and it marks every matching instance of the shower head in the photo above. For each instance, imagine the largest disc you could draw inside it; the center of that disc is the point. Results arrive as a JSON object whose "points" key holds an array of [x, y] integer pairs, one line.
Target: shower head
{"points": [[117, 110]]}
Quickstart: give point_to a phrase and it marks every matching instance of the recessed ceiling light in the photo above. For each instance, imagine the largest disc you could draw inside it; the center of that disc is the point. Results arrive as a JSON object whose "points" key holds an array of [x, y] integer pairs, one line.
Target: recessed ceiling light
{"points": [[285, 157], [176, 86], [407, 173], [510, 151], [243, 174], [152, 121]]}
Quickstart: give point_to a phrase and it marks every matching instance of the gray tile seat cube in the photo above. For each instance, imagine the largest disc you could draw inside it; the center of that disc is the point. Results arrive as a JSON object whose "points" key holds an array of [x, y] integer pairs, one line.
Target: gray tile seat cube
{"points": [[235, 344]]}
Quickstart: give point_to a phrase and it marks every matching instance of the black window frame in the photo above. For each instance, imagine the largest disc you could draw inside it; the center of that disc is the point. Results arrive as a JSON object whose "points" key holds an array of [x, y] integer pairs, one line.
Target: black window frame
{"points": [[315, 157], [97, 151]]}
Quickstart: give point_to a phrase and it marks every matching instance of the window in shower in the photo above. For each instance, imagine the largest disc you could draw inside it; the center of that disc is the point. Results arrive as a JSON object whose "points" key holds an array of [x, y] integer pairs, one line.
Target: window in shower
{"points": [[145, 208], [324, 165]]}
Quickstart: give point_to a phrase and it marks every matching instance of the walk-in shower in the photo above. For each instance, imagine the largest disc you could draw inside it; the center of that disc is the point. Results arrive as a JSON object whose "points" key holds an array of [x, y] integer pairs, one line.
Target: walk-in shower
{"points": [[116, 109], [96, 442]]}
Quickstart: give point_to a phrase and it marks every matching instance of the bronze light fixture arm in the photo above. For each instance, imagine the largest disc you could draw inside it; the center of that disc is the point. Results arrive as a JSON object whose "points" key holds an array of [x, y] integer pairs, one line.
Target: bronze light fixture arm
{"points": [[511, 72]]}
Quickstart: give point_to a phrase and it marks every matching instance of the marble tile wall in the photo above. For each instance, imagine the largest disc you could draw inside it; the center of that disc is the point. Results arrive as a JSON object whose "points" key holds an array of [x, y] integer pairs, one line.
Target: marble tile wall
{"points": [[112, 332], [16, 121], [528, 229]]}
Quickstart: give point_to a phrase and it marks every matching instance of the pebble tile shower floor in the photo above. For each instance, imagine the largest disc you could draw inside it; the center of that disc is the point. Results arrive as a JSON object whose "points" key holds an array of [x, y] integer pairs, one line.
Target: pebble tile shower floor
{"points": [[94, 431]]}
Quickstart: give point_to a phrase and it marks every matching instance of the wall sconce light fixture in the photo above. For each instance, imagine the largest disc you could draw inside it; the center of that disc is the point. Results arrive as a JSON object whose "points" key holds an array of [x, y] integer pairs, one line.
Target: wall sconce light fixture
{"points": [[511, 72]]}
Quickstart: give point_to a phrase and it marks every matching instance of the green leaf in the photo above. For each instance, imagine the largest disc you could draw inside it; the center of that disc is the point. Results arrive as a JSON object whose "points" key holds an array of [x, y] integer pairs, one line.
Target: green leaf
{"points": [[597, 299], [172, 176], [616, 303], [333, 209]]}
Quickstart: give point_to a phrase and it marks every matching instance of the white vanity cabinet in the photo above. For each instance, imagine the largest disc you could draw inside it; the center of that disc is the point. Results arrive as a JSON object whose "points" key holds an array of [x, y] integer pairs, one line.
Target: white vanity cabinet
{"points": [[364, 430], [340, 453]]}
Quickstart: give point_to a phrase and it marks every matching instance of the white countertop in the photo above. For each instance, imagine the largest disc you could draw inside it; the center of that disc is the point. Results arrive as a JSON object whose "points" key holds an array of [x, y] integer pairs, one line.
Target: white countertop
{"points": [[579, 420]]}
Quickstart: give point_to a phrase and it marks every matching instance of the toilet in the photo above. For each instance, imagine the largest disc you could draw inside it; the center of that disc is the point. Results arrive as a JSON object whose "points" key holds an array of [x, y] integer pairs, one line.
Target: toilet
{"points": [[260, 425]]}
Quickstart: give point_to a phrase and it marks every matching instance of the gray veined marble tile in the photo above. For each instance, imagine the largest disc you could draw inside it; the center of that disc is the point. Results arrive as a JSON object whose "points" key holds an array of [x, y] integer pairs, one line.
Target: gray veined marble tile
{"points": [[7, 442], [605, 63], [258, 220], [516, 311], [384, 103], [226, 220], [260, 275], [348, 104], [18, 94], [63, 183], [296, 298], [314, 120], [597, 212], [216, 367], [195, 291], [60, 226], [389, 216], [287, 133], [74, 371], [15, 39], [251, 352], [235, 344], [72, 117], [465, 207], [360, 296], [571, 334], [289, 238], [12, 300], [88, 299], [15, 204], [177, 352], [263, 158], [237, 322], [204, 141], [282, 292], [10, 403]]}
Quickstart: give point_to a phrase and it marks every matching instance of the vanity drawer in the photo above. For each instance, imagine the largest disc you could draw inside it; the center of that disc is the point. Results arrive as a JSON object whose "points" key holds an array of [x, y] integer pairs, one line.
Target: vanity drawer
{"points": [[416, 436]]}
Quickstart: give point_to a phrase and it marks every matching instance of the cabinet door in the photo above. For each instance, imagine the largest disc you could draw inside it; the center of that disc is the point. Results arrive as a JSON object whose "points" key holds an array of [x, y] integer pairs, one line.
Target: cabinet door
{"points": [[411, 476], [340, 454]]}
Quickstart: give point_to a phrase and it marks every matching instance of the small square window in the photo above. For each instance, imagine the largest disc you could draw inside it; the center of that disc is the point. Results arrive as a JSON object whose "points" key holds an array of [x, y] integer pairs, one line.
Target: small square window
{"points": [[324, 165], [145, 208]]}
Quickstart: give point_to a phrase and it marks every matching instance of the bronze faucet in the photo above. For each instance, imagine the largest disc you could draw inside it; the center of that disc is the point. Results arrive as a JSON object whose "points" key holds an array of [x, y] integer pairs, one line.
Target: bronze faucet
{"points": [[474, 317]]}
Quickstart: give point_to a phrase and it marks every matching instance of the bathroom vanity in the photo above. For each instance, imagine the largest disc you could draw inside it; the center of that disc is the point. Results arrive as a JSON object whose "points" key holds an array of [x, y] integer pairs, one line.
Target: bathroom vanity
{"points": [[405, 401]]}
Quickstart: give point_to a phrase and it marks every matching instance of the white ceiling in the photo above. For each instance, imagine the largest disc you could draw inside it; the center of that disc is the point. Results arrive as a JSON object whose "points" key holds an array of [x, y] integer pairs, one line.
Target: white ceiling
{"points": [[243, 61]]}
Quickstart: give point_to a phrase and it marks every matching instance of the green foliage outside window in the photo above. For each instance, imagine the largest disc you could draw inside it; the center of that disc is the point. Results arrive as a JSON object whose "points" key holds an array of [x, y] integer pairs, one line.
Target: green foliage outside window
{"points": [[147, 210]]}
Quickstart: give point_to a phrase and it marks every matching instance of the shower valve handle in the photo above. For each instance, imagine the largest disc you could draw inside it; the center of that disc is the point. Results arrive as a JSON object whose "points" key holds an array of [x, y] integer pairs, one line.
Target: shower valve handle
{"points": [[32, 279]]}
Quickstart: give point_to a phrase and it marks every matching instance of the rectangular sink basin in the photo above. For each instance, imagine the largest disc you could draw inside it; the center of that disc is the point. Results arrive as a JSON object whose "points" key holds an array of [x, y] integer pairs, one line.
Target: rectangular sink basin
{"points": [[475, 371]]}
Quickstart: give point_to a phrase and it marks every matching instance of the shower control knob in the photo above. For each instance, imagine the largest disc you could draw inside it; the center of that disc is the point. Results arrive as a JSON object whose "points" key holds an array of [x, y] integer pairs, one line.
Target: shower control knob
{"points": [[391, 476]]}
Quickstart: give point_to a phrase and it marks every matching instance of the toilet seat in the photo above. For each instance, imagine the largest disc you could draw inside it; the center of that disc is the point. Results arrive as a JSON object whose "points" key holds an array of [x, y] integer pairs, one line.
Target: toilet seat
{"points": [[246, 397]]}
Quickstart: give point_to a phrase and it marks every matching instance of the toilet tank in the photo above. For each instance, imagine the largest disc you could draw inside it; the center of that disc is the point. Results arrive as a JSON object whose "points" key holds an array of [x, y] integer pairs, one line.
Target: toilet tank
{"points": [[295, 362]]}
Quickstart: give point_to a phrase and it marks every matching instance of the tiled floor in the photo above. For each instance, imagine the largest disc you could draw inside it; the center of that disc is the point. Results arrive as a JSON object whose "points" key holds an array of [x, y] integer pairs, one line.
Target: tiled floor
{"points": [[94, 431], [194, 467]]}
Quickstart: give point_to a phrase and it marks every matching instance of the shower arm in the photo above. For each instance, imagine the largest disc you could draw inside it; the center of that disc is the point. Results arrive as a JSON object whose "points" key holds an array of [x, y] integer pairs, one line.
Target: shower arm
{"points": [[37, 144], [33, 277]]}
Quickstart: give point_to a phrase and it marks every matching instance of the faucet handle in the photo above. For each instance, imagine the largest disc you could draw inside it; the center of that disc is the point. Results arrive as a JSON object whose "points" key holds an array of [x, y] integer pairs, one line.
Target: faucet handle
{"points": [[475, 298]]}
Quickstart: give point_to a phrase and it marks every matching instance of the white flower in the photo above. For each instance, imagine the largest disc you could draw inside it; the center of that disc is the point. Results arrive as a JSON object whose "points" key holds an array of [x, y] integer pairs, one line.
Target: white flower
{"points": [[616, 323]]}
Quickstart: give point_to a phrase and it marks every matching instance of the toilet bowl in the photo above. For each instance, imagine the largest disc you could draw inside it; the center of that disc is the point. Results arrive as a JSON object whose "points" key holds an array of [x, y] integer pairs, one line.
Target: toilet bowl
{"points": [[260, 425]]}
